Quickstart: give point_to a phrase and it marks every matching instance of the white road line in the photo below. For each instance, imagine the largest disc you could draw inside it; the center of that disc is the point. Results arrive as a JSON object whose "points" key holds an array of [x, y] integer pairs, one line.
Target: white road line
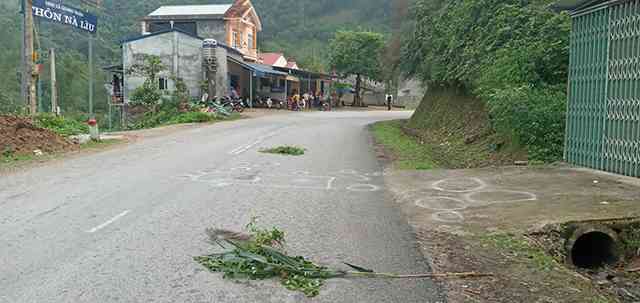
{"points": [[105, 224], [242, 149]]}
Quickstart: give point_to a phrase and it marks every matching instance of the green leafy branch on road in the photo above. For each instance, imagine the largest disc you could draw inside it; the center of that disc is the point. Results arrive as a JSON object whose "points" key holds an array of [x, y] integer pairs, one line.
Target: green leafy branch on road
{"points": [[285, 150], [260, 255]]}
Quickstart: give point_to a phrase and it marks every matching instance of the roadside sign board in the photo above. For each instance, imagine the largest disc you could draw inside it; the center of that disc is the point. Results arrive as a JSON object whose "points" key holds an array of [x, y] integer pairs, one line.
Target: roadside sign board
{"points": [[57, 12]]}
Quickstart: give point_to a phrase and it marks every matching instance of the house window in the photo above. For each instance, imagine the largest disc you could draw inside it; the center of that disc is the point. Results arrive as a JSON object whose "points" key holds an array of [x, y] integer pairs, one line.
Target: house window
{"points": [[236, 40], [163, 83], [155, 27], [250, 38], [189, 27]]}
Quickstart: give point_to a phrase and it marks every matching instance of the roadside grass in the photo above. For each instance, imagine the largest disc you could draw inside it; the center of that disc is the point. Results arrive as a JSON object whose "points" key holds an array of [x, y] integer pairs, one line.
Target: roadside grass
{"points": [[172, 117], [8, 160], [407, 152], [61, 125], [519, 247], [525, 264], [285, 150], [92, 145]]}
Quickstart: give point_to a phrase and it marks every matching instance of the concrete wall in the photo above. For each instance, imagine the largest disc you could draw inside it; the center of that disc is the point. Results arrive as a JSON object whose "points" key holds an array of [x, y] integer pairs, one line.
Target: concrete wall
{"points": [[222, 75], [189, 63], [212, 29], [410, 93], [179, 53]]}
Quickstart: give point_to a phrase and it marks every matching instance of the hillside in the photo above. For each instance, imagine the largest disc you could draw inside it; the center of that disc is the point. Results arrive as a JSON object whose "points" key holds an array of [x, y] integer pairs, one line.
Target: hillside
{"points": [[459, 140], [301, 28]]}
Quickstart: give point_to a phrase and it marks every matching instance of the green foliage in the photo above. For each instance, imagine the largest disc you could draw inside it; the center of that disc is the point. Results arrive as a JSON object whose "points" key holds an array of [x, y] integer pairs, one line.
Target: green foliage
{"points": [[357, 53], [149, 93], [61, 125], [630, 237], [534, 117], [260, 255], [512, 54], [285, 150], [192, 117]]}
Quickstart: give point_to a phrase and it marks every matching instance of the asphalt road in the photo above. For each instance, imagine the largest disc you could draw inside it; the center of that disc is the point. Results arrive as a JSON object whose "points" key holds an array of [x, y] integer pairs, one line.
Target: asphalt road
{"points": [[123, 225]]}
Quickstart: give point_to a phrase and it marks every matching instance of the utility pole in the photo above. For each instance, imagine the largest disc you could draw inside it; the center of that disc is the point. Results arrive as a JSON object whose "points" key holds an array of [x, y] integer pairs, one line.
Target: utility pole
{"points": [[24, 81], [91, 76], [54, 88], [29, 72]]}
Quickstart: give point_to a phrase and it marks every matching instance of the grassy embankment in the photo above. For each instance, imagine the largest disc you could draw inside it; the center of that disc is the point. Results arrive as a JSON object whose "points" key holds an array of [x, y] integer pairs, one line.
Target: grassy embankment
{"points": [[448, 130]]}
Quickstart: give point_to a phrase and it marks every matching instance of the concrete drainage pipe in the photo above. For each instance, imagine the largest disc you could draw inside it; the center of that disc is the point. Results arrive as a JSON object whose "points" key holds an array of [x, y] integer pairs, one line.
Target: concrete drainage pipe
{"points": [[592, 247]]}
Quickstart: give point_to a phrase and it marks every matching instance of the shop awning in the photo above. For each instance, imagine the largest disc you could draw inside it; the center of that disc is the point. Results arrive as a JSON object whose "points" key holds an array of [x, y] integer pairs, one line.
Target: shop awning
{"points": [[259, 70]]}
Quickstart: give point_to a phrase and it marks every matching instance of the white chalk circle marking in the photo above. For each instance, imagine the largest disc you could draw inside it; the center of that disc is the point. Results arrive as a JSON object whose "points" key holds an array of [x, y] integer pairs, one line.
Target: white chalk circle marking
{"points": [[221, 184], [441, 203], [363, 188], [448, 217], [500, 196], [451, 185]]}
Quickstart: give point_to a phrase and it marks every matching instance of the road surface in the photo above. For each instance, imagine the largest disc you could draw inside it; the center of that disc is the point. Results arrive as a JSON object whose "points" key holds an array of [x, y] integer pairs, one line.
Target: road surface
{"points": [[123, 225]]}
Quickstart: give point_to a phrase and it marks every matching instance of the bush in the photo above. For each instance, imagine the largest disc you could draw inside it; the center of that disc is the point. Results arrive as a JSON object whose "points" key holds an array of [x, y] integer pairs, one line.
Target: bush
{"points": [[192, 117], [61, 125], [511, 54], [533, 117], [146, 95]]}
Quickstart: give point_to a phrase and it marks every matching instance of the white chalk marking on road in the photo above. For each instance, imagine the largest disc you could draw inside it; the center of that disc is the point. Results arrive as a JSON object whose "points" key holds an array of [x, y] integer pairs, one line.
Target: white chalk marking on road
{"points": [[526, 196], [448, 217], [432, 204], [330, 183], [249, 146], [363, 188], [105, 224], [438, 185]]}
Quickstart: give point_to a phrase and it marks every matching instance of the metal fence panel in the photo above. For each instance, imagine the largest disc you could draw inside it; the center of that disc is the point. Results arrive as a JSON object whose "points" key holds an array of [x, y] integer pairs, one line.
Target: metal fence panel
{"points": [[621, 138], [603, 114]]}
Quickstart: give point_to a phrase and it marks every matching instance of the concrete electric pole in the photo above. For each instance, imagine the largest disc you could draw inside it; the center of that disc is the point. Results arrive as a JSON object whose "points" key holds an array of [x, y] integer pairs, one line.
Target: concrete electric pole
{"points": [[28, 73]]}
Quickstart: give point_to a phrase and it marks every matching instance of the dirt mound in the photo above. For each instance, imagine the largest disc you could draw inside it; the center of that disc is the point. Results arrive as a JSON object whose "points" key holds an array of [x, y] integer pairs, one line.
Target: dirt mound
{"points": [[20, 137]]}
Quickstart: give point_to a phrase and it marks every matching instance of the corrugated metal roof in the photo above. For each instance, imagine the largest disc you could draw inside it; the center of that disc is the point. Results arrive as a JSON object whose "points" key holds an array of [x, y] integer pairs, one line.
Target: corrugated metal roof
{"points": [[575, 5], [191, 10]]}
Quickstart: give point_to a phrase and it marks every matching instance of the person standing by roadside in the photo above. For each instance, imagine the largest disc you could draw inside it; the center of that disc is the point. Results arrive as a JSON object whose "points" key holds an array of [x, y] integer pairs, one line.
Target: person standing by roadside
{"points": [[389, 101]]}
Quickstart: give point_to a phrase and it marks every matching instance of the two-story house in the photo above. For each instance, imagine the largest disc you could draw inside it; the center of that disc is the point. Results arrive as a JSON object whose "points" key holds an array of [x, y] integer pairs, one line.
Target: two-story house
{"points": [[236, 25]]}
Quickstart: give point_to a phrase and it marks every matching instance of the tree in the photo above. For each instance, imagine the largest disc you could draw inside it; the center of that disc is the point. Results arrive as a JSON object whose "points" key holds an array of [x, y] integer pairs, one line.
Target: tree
{"points": [[357, 53], [149, 93]]}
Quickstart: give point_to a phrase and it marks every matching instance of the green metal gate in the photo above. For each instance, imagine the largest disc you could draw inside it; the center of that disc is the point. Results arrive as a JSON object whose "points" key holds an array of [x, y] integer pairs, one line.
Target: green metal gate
{"points": [[603, 118]]}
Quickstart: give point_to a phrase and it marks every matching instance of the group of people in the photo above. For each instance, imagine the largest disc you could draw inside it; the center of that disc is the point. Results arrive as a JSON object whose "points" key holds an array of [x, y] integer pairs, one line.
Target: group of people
{"points": [[307, 100]]}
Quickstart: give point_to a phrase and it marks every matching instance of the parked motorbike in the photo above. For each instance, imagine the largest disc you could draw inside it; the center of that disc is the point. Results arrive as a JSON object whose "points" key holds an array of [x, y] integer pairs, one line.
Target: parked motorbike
{"points": [[232, 104]]}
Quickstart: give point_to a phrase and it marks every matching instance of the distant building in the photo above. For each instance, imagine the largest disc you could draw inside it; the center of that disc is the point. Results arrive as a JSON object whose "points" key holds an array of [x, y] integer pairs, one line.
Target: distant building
{"points": [[273, 59], [176, 35], [410, 93], [292, 64], [236, 25], [181, 53]]}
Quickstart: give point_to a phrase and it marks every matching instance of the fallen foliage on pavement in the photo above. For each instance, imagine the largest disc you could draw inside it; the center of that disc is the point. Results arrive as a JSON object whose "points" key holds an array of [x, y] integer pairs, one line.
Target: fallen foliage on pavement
{"points": [[261, 255]]}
